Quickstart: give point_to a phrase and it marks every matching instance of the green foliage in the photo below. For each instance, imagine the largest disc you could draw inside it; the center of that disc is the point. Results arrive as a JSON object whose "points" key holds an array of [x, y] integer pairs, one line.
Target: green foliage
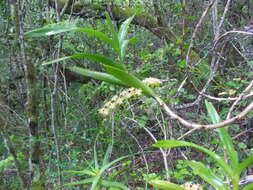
{"points": [[97, 173], [6, 163], [117, 42], [231, 167]]}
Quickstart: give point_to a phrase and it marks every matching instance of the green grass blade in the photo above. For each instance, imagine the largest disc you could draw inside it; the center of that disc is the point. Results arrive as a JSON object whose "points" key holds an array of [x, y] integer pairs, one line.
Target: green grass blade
{"points": [[98, 75], [206, 174], [165, 185], [130, 80], [224, 136], [176, 143]]}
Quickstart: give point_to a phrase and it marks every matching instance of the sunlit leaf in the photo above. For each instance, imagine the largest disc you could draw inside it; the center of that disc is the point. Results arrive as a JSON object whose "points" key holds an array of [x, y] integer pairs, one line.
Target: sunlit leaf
{"points": [[81, 172], [123, 28], [114, 33], [176, 143], [54, 29], [130, 80], [207, 175], [98, 75], [114, 184], [224, 136], [248, 187], [165, 185], [85, 181], [243, 165]]}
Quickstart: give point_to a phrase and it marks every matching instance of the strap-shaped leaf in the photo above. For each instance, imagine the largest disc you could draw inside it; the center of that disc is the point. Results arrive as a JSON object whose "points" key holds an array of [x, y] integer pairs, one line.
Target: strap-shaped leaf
{"points": [[165, 185], [51, 29], [243, 165], [85, 181], [81, 172], [129, 80], [124, 46], [54, 29], [206, 174], [114, 33], [224, 136], [176, 143], [248, 187], [114, 184], [98, 75], [93, 57], [95, 182], [123, 29], [107, 155]]}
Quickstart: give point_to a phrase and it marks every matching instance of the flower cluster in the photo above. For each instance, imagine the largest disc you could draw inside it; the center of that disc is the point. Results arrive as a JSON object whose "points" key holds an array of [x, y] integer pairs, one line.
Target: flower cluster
{"points": [[192, 186], [126, 94]]}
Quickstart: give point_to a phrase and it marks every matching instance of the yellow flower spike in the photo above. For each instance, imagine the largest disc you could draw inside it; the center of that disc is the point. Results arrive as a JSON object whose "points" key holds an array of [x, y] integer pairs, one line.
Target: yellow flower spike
{"points": [[126, 94]]}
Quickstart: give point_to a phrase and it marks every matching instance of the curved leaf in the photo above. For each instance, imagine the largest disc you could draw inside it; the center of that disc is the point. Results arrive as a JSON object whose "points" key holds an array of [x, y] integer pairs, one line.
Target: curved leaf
{"points": [[224, 136], [85, 181], [113, 30], [59, 28], [246, 163], [165, 185], [95, 182], [51, 29], [94, 57], [123, 29], [176, 143], [129, 80], [248, 187], [114, 184], [98, 75], [81, 172], [206, 174]]}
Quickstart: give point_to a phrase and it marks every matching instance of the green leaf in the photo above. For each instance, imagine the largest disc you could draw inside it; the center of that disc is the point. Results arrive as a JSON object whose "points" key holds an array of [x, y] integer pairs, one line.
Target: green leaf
{"points": [[53, 29], [93, 57], [248, 187], [123, 29], [165, 185], [206, 174], [85, 181], [81, 172], [176, 143], [130, 80], [107, 155], [250, 63], [246, 163], [105, 167], [114, 184], [95, 182], [98, 75], [224, 136], [112, 28]]}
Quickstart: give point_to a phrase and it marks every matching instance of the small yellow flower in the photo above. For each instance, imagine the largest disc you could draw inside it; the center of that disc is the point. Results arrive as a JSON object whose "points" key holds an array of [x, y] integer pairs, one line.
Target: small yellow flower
{"points": [[126, 94], [191, 186]]}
